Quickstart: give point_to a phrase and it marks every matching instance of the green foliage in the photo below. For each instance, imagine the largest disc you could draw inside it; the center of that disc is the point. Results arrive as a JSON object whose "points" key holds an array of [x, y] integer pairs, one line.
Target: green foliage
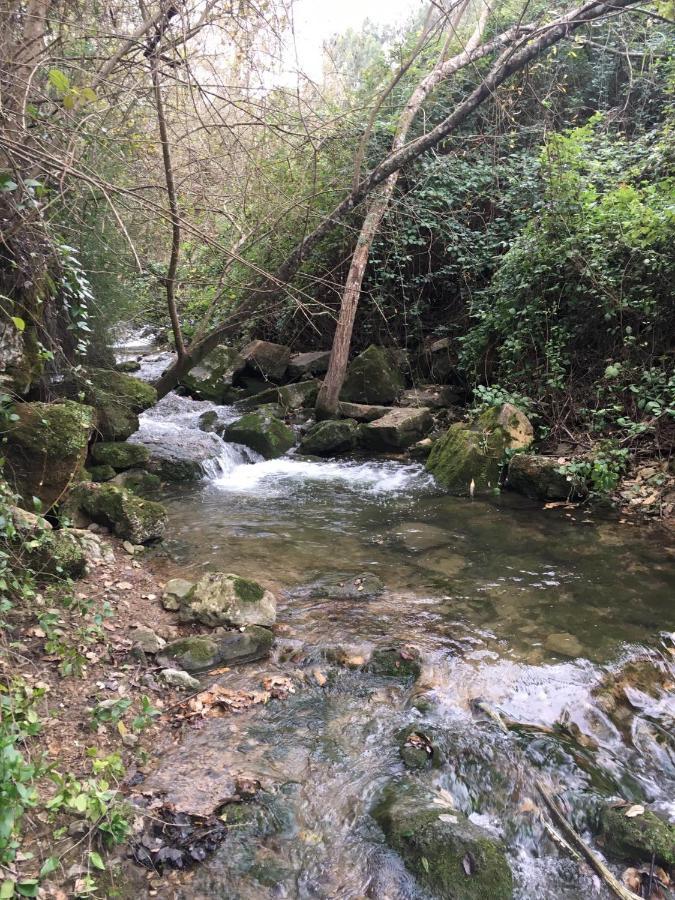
{"points": [[601, 470]]}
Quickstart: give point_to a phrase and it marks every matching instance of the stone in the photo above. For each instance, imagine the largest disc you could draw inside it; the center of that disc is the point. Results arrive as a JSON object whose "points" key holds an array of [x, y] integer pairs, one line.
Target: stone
{"points": [[128, 365], [564, 644], [198, 653], [130, 517], [539, 478], [396, 430], [261, 432], [138, 481], [431, 396], [266, 359], [637, 838], [300, 395], [468, 457], [146, 639], [214, 374], [362, 412], [175, 590], [448, 854], [120, 455], [28, 523], [117, 398], [180, 679], [46, 449], [314, 362], [330, 437], [227, 599], [396, 662], [364, 586], [209, 420], [440, 361], [101, 473], [58, 553], [418, 749], [373, 377], [420, 451]]}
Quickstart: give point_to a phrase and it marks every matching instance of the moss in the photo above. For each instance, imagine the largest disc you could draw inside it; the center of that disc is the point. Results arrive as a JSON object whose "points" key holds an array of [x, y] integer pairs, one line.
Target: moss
{"points": [[118, 399], [261, 432], [56, 553], [373, 377], [248, 591], [130, 517], [461, 456], [396, 662], [101, 473], [210, 379], [120, 455], [332, 436], [637, 838], [193, 654], [139, 481]]}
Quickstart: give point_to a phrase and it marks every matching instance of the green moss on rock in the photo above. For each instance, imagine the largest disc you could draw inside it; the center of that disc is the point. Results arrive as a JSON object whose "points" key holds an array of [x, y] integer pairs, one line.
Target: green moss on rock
{"points": [[637, 838], [373, 377], [120, 456], [130, 517], [396, 662], [261, 432], [226, 599], [213, 376], [139, 481], [248, 591], [118, 399], [331, 436], [101, 473]]}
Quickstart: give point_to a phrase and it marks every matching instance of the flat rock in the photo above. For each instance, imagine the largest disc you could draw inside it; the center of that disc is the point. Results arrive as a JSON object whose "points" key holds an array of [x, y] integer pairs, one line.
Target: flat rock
{"points": [[432, 396], [398, 429], [314, 362], [362, 412]]}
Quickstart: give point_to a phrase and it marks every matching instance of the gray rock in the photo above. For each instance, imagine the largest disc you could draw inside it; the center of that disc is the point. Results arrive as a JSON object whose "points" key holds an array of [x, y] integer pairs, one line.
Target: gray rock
{"points": [[398, 429], [330, 437], [363, 412], [180, 679], [198, 653], [266, 359], [175, 590], [373, 377], [315, 362], [211, 378], [432, 396], [227, 599], [364, 586], [539, 478], [146, 639], [262, 432]]}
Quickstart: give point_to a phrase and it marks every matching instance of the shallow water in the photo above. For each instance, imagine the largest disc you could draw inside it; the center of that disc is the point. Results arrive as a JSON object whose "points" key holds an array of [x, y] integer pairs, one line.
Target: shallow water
{"points": [[522, 608]]}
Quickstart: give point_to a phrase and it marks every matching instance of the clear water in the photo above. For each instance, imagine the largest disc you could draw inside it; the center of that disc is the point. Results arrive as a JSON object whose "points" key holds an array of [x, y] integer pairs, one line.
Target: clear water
{"points": [[525, 609]]}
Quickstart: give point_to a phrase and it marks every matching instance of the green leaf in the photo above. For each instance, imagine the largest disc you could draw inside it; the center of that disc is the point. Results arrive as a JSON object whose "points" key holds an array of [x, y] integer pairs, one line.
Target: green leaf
{"points": [[48, 866], [96, 861], [18, 322], [59, 80], [7, 890], [28, 888]]}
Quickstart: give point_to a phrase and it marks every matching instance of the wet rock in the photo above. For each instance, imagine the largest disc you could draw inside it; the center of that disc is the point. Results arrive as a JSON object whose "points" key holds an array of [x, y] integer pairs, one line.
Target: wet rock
{"points": [[346, 587], [175, 591], [195, 653], [198, 653], [244, 646], [180, 679], [116, 397], [421, 450], [473, 454], [128, 366], [315, 362], [396, 430], [120, 455], [266, 359], [636, 838], [447, 853], [214, 375], [363, 412], [420, 536], [130, 517], [418, 749], [138, 481], [261, 432], [539, 478], [396, 662], [564, 644], [373, 377], [431, 396], [101, 473], [209, 421], [147, 640], [226, 599], [330, 437], [46, 448]]}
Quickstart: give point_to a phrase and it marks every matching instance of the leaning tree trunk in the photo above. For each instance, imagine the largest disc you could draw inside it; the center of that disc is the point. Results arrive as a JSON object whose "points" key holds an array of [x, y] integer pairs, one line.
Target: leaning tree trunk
{"points": [[329, 394]]}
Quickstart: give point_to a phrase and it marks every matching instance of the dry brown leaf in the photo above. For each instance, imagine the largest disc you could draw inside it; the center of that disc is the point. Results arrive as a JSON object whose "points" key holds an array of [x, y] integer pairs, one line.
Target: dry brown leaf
{"points": [[633, 811], [278, 686]]}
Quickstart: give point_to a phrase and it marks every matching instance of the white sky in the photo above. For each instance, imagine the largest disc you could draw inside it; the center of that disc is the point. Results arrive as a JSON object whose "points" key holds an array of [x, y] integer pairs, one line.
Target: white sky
{"points": [[316, 20]]}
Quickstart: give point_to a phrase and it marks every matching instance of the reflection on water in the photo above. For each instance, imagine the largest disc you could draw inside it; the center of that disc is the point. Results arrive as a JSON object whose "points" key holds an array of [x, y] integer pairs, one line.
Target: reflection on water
{"points": [[527, 610]]}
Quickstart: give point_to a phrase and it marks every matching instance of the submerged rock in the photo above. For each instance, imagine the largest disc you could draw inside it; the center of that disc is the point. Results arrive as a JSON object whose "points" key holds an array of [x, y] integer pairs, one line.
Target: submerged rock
{"points": [[396, 430], [214, 375], [418, 749], [120, 455], [46, 449], [266, 359], [261, 432], [315, 362], [330, 437], [447, 853], [198, 653], [346, 587], [473, 453], [130, 517], [226, 599], [373, 377], [396, 662], [636, 838], [539, 478]]}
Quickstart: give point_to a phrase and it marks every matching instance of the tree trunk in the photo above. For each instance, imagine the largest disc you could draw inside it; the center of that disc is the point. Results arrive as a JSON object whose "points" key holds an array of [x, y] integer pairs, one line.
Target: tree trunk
{"points": [[514, 58]]}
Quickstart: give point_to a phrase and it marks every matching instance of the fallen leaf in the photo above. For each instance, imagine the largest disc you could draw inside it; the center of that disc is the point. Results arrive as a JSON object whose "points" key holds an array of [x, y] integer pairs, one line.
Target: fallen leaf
{"points": [[633, 811], [278, 686], [446, 817]]}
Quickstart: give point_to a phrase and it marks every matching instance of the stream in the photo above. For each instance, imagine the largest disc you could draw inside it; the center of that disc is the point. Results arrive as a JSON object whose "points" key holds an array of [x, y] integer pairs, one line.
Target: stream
{"points": [[527, 610]]}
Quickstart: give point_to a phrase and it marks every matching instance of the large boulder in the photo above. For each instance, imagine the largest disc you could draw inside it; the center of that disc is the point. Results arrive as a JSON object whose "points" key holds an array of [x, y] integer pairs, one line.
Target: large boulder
{"points": [[315, 362], [120, 456], [138, 481], [261, 432], [399, 428], [196, 653], [540, 478], [117, 398], [46, 448], [469, 456], [330, 437], [374, 376], [636, 838], [226, 599], [300, 395], [266, 359], [130, 517], [212, 378], [447, 853]]}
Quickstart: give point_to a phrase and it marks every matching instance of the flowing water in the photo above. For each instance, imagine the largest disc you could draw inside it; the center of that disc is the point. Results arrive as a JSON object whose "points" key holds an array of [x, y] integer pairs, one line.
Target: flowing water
{"points": [[530, 611]]}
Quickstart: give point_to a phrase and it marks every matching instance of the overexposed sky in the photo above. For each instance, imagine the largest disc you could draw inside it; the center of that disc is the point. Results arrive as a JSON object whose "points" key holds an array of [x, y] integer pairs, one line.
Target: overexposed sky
{"points": [[317, 20]]}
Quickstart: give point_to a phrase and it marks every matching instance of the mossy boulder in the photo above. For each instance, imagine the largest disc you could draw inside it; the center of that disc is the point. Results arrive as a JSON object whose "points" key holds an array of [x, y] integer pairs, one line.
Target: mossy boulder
{"points": [[396, 662], [637, 838], [314, 362], [447, 853], [118, 399], [58, 553], [214, 375], [175, 590], [261, 432], [101, 473], [330, 437], [540, 478], [397, 429], [267, 360], [227, 599], [128, 516], [473, 454], [120, 456], [373, 376], [138, 481], [299, 396], [197, 653], [47, 447]]}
